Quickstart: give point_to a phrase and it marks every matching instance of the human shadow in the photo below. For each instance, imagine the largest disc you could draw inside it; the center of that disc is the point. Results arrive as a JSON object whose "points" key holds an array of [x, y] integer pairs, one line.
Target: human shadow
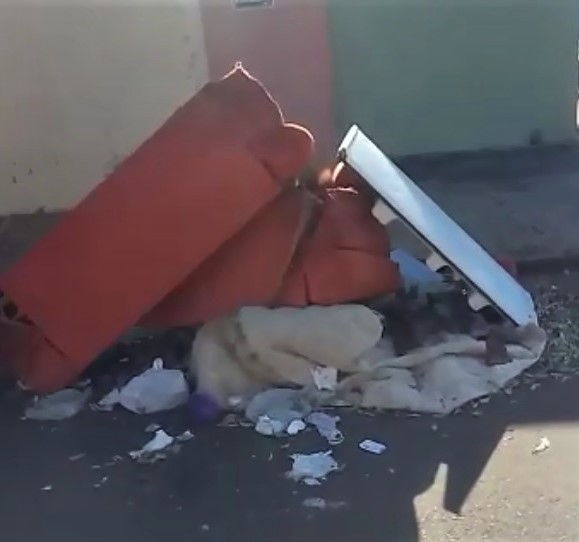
{"points": [[463, 442]]}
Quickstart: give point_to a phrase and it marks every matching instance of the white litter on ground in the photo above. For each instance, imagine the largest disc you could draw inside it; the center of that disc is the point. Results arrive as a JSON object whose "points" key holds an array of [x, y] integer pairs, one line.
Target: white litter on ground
{"points": [[270, 427], [185, 436], [372, 446], [295, 427], [76, 457], [58, 406], [102, 481], [274, 410], [311, 469], [543, 446], [327, 427], [155, 390], [323, 504], [160, 442], [152, 427]]}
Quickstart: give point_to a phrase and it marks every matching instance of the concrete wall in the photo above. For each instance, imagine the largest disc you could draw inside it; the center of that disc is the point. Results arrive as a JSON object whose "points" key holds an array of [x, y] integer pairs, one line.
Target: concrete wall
{"points": [[426, 76], [82, 85]]}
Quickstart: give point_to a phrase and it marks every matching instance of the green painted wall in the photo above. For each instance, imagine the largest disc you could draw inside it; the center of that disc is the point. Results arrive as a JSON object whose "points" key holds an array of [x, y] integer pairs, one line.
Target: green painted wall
{"points": [[424, 76]]}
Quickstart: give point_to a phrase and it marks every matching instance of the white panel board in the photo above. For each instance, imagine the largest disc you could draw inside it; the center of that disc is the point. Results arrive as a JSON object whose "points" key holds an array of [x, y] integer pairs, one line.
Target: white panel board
{"points": [[436, 228]]}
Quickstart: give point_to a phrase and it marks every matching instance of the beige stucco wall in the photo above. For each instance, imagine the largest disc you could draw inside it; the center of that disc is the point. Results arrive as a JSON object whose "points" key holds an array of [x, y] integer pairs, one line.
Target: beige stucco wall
{"points": [[81, 85]]}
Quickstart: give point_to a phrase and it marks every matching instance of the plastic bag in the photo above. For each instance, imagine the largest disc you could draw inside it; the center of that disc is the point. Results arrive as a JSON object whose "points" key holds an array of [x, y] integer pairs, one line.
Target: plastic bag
{"points": [[311, 469], [154, 390], [327, 427], [273, 411]]}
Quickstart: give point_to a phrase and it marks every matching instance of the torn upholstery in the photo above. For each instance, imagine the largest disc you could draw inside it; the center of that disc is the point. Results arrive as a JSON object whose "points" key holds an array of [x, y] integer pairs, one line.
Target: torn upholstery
{"points": [[199, 220]]}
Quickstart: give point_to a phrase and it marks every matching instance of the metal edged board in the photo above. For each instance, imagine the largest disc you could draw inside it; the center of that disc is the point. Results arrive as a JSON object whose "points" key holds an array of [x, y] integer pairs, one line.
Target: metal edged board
{"points": [[446, 238]]}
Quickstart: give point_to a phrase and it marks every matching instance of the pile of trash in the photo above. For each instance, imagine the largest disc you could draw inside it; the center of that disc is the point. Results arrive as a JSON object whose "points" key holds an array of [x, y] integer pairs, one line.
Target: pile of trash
{"points": [[279, 370], [292, 293]]}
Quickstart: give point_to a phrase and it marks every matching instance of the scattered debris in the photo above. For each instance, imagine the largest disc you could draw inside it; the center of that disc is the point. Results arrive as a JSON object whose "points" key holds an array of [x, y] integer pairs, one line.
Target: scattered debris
{"points": [[295, 427], [157, 448], [160, 442], [269, 427], [234, 420], [311, 469], [76, 457], [327, 427], [558, 311], [323, 504], [186, 436], [372, 446], [291, 403], [58, 406], [102, 481], [154, 390], [114, 460], [508, 436], [543, 446], [274, 410]]}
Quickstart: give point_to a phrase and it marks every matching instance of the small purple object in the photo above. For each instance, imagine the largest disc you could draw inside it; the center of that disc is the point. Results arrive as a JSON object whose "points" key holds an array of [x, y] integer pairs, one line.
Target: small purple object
{"points": [[204, 408]]}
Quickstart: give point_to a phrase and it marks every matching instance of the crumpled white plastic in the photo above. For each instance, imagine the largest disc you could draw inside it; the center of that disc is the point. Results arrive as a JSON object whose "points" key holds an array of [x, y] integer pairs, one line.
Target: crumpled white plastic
{"points": [[311, 469], [273, 411], [327, 427], [154, 390], [159, 442]]}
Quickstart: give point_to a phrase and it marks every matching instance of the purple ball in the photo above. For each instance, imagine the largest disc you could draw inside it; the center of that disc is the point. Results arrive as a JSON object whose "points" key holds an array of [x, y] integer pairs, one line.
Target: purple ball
{"points": [[204, 408]]}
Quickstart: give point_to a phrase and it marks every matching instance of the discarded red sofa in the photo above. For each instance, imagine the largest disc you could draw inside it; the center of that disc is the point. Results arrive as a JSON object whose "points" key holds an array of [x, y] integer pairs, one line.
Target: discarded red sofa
{"points": [[201, 219]]}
